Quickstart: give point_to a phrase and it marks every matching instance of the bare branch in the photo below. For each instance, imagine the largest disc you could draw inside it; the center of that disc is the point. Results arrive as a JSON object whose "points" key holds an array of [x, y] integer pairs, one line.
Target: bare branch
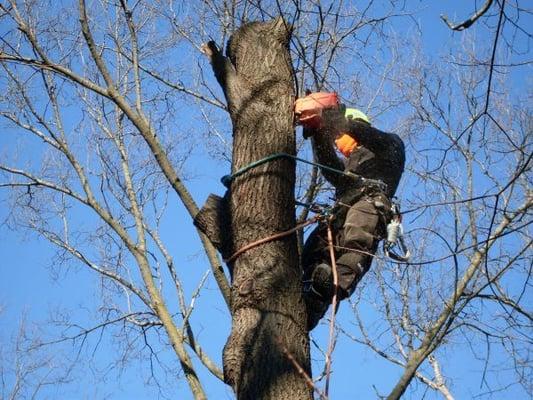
{"points": [[467, 23], [436, 332]]}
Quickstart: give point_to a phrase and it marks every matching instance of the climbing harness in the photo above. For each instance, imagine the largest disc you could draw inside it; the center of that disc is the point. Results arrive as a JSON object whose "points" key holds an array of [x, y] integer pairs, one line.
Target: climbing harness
{"points": [[394, 228], [395, 237]]}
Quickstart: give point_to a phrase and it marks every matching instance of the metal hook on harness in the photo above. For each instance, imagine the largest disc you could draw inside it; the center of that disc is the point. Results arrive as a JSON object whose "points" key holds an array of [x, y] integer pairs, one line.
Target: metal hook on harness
{"points": [[395, 237]]}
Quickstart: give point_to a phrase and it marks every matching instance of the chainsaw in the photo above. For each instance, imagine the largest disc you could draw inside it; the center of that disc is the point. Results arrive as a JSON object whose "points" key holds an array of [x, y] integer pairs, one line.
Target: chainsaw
{"points": [[309, 110]]}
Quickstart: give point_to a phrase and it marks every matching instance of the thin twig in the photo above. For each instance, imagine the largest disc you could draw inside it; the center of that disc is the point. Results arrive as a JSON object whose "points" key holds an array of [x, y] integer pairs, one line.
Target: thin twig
{"points": [[301, 371]]}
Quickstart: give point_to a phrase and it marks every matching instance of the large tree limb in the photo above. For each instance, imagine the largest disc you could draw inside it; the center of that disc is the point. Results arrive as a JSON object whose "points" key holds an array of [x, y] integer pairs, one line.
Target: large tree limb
{"points": [[226, 75], [268, 317]]}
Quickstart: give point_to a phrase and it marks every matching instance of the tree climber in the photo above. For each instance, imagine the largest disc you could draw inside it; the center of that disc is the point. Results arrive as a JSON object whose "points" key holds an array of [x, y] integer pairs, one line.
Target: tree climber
{"points": [[363, 203]]}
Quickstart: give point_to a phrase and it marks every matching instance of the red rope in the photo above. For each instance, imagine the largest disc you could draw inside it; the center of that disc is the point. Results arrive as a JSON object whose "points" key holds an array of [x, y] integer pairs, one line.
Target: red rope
{"points": [[271, 238]]}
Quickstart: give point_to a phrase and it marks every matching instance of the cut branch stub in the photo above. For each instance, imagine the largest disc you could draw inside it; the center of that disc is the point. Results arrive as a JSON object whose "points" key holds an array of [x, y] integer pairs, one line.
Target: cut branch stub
{"points": [[212, 220]]}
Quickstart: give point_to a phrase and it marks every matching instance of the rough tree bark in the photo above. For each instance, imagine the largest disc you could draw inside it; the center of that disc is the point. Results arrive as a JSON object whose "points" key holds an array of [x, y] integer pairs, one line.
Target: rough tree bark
{"points": [[268, 313]]}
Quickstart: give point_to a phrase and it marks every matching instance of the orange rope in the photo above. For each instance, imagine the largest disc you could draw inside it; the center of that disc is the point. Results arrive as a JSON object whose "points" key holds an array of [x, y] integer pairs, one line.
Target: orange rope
{"points": [[271, 238], [331, 345]]}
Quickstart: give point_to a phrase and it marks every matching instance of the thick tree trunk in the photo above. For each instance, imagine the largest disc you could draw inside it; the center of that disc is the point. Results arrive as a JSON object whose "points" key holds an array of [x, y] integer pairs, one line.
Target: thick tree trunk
{"points": [[268, 313]]}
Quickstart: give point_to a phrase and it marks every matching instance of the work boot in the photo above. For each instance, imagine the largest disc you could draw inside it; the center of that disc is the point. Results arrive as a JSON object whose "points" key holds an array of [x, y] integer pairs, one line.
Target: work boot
{"points": [[322, 282], [316, 309], [317, 294]]}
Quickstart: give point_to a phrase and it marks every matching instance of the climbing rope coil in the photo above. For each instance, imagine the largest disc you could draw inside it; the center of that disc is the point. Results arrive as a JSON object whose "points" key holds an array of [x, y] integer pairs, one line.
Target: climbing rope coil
{"points": [[394, 228]]}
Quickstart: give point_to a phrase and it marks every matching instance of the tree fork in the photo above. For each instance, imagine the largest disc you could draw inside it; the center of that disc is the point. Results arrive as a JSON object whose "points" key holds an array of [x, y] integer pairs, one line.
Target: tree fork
{"points": [[268, 312]]}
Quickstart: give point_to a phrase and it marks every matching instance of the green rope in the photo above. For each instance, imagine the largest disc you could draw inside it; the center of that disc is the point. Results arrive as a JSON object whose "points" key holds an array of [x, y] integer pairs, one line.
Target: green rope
{"points": [[227, 179]]}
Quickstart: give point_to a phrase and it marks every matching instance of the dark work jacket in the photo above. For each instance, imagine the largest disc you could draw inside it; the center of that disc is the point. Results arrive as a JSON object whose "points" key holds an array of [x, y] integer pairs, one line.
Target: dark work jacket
{"points": [[379, 156]]}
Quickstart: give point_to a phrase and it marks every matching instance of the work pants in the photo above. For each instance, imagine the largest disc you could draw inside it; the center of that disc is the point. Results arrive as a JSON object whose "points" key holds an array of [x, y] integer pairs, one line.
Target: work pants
{"points": [[355, 242]]}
